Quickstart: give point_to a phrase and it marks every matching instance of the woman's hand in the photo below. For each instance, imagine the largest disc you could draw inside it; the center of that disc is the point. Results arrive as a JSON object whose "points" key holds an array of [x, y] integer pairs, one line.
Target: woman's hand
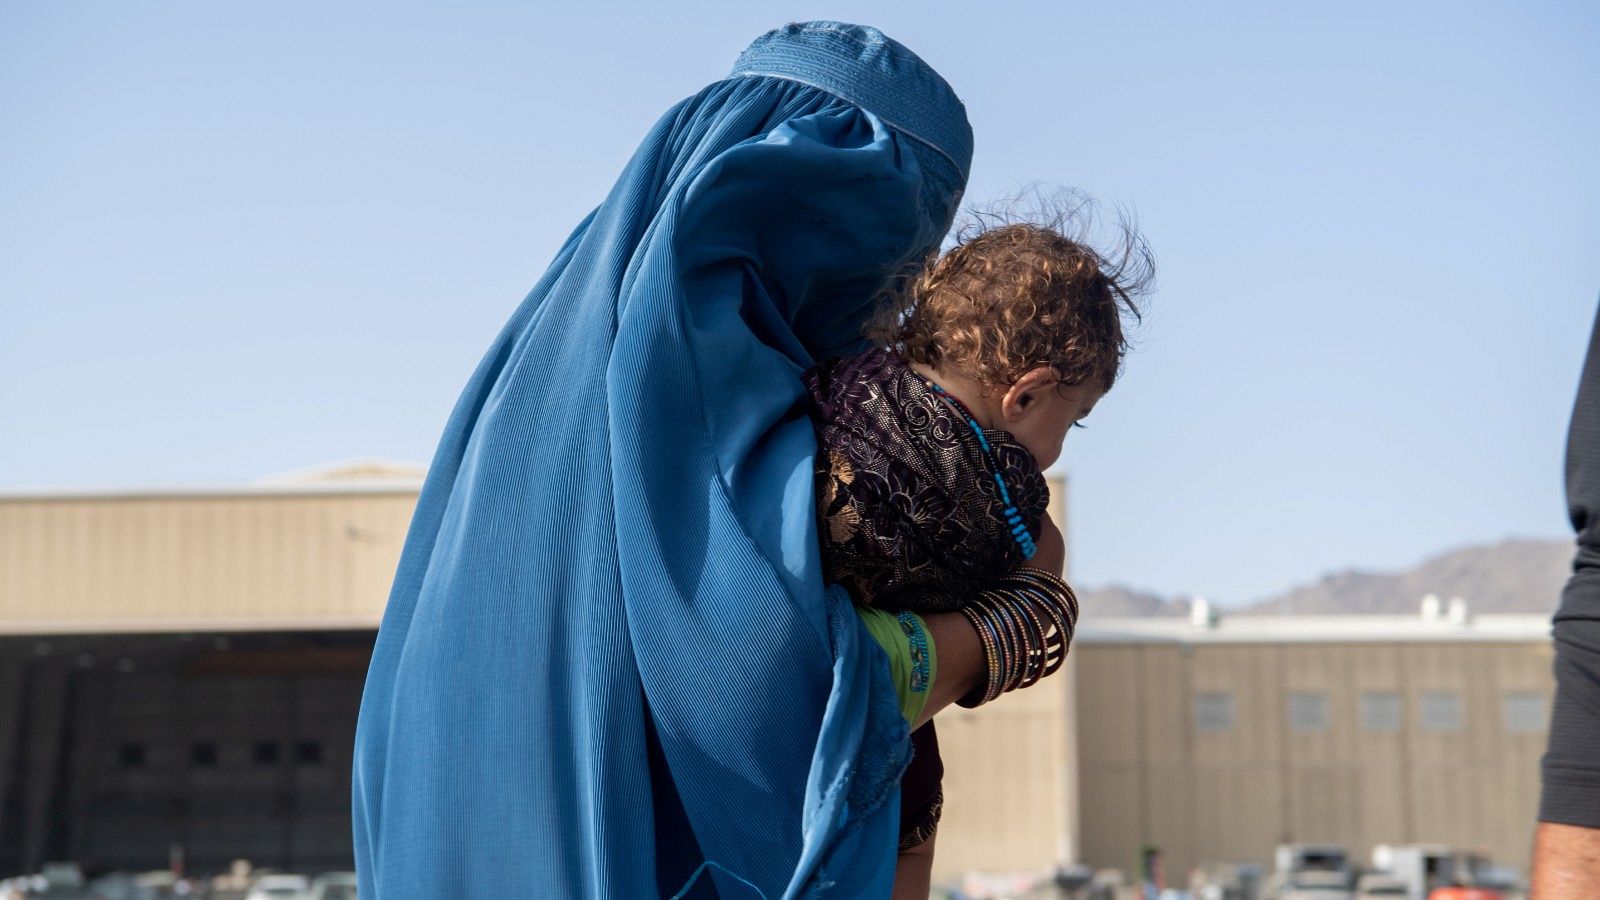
{"points": [[1051, 552]]}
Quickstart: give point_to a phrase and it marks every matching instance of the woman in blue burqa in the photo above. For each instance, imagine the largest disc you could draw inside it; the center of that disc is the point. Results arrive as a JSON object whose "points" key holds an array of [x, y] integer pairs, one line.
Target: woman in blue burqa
{"points": [[609, 665]]}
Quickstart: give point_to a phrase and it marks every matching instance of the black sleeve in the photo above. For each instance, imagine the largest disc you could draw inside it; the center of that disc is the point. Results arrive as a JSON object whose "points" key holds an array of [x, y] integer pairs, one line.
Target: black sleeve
{"points": [[1572, 760]]}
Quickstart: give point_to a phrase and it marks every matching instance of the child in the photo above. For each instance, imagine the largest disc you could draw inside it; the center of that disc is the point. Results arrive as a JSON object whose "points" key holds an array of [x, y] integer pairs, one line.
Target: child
{"points": [[930, 488]]}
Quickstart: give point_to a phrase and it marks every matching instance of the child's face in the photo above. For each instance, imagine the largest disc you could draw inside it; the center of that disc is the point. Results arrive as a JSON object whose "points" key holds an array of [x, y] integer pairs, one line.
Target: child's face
{"points": [[1039, 411]]}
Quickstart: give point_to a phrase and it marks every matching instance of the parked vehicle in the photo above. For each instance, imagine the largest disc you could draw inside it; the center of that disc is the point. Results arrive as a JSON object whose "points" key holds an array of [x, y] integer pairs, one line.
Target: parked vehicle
{"points": [[1380, 886], [333, 886], [1312, 872], [124, 886], [1418, 867], [1437, 872], [1226, 881], [279, 887], [1291, 858], [1316, 885]]}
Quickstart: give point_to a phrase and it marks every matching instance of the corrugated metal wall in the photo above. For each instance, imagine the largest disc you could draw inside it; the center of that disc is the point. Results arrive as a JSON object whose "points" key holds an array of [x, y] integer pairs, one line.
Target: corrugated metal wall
{"points": [[180, 562], [1150, 775], [1008, 783]]}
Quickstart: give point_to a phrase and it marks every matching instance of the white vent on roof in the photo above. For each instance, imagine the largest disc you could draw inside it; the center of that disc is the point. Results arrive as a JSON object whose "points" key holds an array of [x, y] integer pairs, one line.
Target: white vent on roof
{"points": [[1201, 614], [1458, 611], [1431, 608]]}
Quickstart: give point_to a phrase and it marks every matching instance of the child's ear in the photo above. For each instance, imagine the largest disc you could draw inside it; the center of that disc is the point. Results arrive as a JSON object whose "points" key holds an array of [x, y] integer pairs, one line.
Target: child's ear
{"points": [[1024, 392]]}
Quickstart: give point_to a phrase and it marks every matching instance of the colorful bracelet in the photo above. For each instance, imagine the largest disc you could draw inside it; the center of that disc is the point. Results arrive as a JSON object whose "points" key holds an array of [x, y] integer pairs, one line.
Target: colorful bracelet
{"points": [[980, 694], [917, 637], [1025, 622]]}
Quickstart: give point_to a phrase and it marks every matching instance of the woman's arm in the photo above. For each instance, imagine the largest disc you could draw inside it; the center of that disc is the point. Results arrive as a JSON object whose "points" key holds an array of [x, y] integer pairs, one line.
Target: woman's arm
{"points": [[962, 665], [961, 661]]}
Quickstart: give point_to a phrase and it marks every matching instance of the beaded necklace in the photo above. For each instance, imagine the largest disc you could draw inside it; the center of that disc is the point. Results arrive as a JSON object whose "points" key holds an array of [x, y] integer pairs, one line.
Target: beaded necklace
{"points": [[1019, 530]]}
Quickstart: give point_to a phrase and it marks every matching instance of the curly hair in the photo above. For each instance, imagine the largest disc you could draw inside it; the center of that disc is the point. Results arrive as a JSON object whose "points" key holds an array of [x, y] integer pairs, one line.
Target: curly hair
{"points": [[1011, 296]]}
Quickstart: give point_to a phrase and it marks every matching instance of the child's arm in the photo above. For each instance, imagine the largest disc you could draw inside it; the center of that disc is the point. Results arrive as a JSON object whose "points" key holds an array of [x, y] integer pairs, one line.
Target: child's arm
{"points": [[962, 663], [1051, 554], [913, 871]]}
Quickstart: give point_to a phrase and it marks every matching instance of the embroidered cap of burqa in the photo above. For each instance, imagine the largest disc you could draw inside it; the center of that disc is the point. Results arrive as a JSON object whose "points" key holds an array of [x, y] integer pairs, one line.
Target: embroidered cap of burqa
{"points": [[609, 665]]}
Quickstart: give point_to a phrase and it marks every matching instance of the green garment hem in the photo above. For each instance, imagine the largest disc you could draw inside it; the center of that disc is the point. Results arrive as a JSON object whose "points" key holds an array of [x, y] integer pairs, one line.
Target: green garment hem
{"points": [[913, 659]]}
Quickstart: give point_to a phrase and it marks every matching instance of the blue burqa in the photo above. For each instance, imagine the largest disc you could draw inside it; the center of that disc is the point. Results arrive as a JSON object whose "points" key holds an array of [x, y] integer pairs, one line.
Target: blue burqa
{"points": [[610, 666]]}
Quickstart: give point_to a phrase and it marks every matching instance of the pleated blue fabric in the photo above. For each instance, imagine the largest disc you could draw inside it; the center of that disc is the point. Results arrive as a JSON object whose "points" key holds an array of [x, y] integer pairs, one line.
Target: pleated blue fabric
{"points": [[609, 665]]}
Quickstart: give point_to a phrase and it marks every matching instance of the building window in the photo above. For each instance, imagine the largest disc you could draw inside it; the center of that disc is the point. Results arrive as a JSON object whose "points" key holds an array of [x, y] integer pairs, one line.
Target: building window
{"points": [[1380, 711], [266, 753], [203, 754], [1213, 711], [1526, 712], [308, 753], [1308, 711], [1439, 711], [131, 756]]}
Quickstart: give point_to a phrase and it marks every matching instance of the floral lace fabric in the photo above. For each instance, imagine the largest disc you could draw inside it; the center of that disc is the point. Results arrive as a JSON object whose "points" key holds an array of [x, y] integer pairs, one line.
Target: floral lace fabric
{"points": [[910, 514]]}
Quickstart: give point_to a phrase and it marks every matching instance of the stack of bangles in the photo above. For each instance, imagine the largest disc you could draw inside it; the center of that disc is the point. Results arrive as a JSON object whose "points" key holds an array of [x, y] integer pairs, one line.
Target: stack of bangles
{"points": [[1025, 622]]}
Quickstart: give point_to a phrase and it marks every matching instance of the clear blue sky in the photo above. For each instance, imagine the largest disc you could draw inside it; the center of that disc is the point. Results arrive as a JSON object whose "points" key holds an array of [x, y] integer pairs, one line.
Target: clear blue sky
{"points": [[242, 238]]}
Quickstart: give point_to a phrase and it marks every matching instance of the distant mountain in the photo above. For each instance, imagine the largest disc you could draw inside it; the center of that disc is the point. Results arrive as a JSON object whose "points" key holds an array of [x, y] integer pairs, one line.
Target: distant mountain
{"points": [[1516, 575], [1116, 601]]}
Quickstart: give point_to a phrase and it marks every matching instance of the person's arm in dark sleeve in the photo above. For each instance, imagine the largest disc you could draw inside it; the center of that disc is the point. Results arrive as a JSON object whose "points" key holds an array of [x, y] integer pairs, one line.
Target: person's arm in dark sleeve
{"points": [[1567, 846]]}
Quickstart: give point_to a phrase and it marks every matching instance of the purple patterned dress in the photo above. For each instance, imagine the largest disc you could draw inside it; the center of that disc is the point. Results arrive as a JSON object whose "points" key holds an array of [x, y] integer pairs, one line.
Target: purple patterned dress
{"points": [[910, 514]]}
